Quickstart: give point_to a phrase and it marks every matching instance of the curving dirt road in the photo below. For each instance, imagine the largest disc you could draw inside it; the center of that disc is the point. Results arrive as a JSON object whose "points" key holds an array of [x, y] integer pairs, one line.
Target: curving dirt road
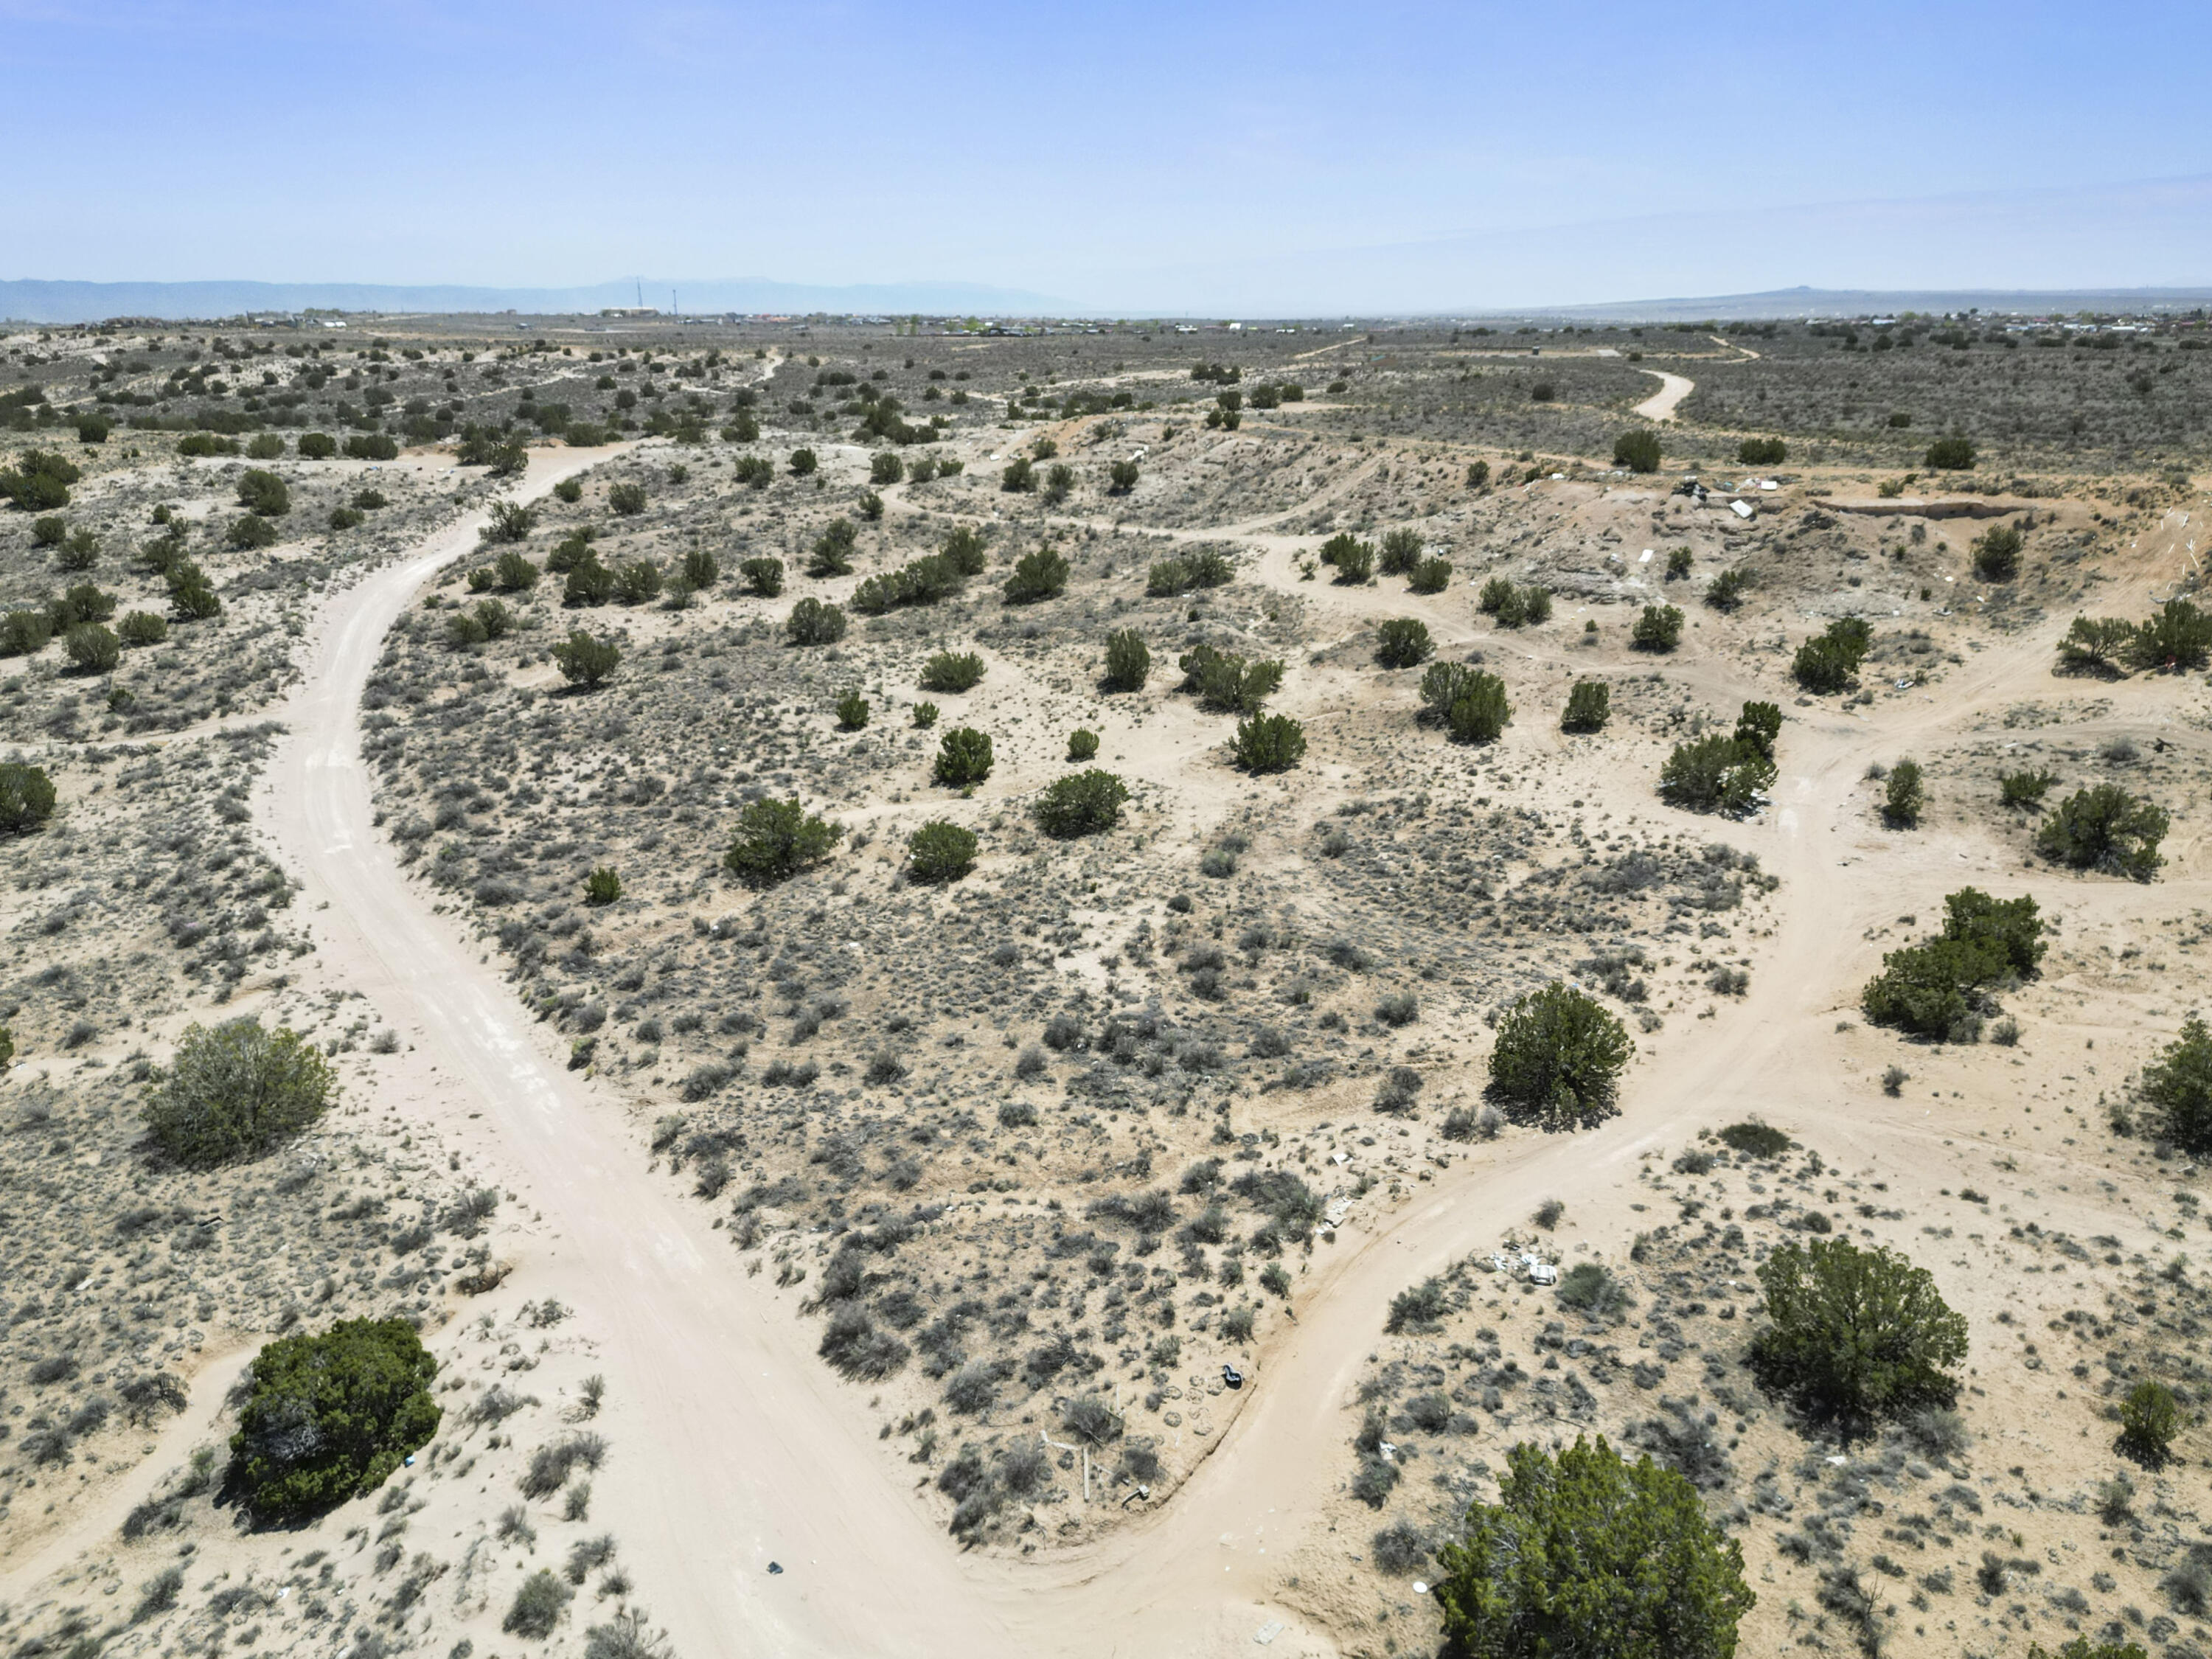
{"points": [[1673, 388], [734, 1445]]}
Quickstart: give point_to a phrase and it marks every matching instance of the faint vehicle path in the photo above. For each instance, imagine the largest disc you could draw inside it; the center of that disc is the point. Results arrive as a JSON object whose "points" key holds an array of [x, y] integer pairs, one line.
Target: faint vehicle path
{"points": [[172, 1443]]}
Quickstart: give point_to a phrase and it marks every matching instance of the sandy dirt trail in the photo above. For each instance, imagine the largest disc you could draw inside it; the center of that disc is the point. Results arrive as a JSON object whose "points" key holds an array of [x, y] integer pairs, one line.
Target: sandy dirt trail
{"points": [[732, 1444], [102, 1517], [1204, 1565], [1673, 388]]}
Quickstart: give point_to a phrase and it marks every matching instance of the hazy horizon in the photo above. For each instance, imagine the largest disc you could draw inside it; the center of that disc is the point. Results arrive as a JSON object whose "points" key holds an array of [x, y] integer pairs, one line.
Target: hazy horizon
{"points": [[36, 302]]}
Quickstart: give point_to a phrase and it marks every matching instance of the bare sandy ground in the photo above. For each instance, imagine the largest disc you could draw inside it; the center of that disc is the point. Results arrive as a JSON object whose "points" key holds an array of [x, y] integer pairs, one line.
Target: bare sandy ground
{"points": [[735, 1445], [99, 1519], [739, 1447]]}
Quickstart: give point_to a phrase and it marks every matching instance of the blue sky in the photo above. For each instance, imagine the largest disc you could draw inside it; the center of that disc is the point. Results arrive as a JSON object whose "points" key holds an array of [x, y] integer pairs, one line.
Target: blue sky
{"points": [[1125, 157]]}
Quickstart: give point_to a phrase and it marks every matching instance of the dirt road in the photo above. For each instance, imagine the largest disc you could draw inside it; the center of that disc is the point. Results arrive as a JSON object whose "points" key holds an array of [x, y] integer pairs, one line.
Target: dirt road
{"points": [[1673, 388], [733, 1444]]}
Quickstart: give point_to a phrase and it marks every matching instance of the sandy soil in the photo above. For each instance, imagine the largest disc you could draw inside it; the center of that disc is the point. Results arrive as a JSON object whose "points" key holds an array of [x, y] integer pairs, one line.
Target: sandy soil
{"points": [[740, 1448], [737, 1446]]}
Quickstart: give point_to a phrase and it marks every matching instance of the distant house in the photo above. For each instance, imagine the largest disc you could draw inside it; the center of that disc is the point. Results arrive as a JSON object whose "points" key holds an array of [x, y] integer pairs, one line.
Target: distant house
{"points": [[629, 311]]}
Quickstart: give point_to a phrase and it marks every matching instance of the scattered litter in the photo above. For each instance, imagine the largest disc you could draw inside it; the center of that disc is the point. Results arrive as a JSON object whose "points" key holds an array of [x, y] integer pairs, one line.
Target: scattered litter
{"points": [[1339, 1157], [1837, 1461], [1741, 509], [1232, 1376], [776, 1567], [1389, 1451], [1646, 556], [1540, 1270], [1419, 1588], [1268, 1631], [1338, 1209], [1768, 483]]}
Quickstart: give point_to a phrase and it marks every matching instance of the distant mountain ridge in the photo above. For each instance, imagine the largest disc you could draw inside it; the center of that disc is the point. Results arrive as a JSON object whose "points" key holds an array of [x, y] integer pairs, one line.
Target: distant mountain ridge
{"points": [[33, 300], [1785, 302]]}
